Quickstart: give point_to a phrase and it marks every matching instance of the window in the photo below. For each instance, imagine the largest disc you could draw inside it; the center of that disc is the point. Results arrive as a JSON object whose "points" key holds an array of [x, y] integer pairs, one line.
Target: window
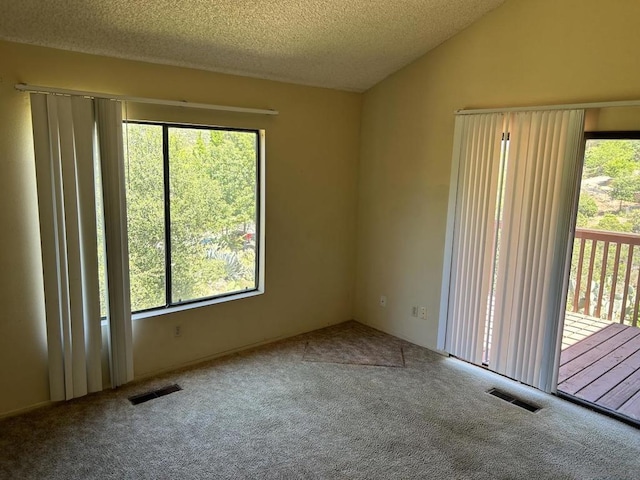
{"points": [[193, 210]]}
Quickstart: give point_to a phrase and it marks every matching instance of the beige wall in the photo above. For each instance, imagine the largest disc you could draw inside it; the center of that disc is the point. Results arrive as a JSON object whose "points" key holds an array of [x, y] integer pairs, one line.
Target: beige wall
{"points": [[524, 53], [312, 157]]}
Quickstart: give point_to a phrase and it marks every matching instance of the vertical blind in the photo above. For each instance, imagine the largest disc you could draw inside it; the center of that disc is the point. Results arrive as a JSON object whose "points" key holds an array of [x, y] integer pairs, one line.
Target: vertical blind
{"points": [[514, 188], [63, 135], [111, 156], [478, 149], [68, 134]]}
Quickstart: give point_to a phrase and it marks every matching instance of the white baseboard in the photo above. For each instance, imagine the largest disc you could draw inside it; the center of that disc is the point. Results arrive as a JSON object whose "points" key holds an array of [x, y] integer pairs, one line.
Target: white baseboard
{"points": [[19, 411], [231, 351]]}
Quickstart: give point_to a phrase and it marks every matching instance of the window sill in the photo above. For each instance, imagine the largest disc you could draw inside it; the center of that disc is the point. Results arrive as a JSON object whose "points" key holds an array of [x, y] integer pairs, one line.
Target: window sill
{"points": [[191, 306]]}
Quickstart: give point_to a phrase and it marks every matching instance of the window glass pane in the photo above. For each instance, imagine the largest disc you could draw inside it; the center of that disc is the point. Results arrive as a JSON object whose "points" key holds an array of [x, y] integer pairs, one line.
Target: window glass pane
{"points": [[145, 214], [213, 212]]}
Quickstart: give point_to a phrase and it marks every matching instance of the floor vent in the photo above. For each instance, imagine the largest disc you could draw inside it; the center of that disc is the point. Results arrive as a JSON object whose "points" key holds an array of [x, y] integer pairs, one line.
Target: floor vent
{"points": [[511, 399], [160, 392]]}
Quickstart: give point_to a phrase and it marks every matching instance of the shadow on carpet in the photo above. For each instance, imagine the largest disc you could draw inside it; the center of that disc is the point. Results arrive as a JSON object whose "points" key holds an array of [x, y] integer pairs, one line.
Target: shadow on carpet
{"points": [[354, 344]]}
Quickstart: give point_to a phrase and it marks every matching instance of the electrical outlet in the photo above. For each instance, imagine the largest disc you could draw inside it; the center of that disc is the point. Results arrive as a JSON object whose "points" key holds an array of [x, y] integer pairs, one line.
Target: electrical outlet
{"points": [[383, 301], [177, 331], [423, 313], [414, 312]]}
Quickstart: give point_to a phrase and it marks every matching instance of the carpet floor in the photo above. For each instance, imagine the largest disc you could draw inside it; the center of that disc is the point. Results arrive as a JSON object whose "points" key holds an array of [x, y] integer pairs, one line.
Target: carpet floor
{"points": [[355, 344], [268, 413]]}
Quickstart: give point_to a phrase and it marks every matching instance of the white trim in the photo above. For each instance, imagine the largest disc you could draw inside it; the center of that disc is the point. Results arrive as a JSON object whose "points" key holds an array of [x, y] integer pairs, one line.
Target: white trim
{"points": [[262, 220], [448, 242], [567, 106], [231, 351], [27, 409], [125, 98]]}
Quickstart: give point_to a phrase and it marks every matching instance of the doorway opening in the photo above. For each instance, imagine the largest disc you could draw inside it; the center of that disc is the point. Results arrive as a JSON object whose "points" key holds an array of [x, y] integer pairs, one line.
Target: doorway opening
{"points": [[600, 352]]}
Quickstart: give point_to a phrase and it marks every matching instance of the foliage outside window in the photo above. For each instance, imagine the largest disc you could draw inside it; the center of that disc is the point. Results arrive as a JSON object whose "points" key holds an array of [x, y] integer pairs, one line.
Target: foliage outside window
{"points": [[610, 191], [610, 202], [192, 212]]}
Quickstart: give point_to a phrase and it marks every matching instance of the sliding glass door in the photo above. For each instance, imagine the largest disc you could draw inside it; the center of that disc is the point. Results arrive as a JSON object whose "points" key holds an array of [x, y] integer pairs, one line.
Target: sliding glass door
{"points": [[513, 188]]}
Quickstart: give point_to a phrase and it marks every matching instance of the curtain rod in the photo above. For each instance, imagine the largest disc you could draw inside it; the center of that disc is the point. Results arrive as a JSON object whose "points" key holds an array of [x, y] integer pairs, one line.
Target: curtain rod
{"points": [[175, 103], [568, 106]]}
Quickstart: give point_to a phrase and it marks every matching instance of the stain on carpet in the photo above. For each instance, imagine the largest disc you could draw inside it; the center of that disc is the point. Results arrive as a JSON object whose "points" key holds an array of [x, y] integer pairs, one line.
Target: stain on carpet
{"points": [[354, 344]]}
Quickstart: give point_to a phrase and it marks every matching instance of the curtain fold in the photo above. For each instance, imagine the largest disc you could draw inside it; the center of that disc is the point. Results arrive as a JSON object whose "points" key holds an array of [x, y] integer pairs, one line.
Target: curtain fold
{"points": [[65, 147], [478, 157], [516, 174], [109, 125], [542, 176]]}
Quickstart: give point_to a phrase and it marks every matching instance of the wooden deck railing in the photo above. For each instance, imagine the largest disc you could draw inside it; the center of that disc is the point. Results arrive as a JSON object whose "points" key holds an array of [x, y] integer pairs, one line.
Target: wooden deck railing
{"points": [[605, 276]]}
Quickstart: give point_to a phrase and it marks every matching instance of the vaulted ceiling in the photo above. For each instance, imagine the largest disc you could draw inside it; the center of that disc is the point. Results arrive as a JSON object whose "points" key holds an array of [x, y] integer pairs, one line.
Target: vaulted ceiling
{"points": [[342, 44]]}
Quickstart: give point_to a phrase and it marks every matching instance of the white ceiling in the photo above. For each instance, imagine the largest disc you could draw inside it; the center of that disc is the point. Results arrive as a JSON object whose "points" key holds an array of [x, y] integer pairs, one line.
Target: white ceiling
{"points": [[343, 44]]}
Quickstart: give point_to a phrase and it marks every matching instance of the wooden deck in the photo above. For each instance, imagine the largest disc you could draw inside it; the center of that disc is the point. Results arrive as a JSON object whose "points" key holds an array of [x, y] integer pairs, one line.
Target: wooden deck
{"points": [[578, 327], [603, 367]]}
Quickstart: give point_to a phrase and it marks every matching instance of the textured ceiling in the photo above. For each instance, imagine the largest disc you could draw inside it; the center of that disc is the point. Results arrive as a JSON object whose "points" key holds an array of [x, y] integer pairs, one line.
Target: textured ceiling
{"points": [[343, 44]]}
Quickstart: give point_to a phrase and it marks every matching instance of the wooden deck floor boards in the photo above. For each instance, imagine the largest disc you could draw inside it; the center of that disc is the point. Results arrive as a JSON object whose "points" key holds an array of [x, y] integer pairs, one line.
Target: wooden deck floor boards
{"points": [[588, 354], [586, 376], [618, 374], [588, 343], [631, 407], [578, 326], [604, 368], [621, 393]]}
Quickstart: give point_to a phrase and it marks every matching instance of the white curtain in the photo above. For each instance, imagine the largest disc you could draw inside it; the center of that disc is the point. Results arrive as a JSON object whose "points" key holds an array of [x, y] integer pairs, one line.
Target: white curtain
{"points": [[66, 147], [109, 127], [540, 185], [478, 151], [508, 255]]}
